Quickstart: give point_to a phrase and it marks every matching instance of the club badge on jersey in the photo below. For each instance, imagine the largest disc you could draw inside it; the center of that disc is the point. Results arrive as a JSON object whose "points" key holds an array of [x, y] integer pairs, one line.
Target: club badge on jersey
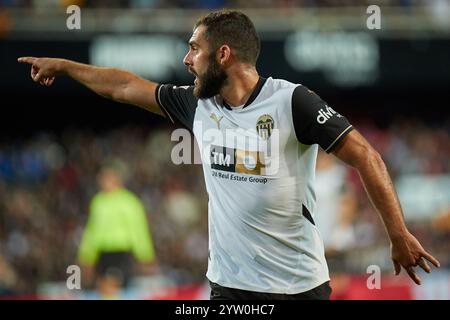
{"points": [[264, 126]]}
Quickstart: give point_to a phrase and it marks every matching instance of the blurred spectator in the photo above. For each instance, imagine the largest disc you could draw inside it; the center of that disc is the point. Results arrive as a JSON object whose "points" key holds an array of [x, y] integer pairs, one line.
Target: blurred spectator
{"points": [[336, 205], [117, 230], [441, 225], [7, 278], [442, 222]]}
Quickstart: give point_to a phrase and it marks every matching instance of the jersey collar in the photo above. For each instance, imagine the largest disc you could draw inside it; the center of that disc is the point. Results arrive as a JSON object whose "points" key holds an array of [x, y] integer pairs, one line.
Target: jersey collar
{"points": [[253, 96]]}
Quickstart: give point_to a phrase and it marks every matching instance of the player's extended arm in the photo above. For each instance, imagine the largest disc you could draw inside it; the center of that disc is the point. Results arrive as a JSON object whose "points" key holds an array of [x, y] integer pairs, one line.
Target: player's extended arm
{"points": [[111, 83], [406, 250]]}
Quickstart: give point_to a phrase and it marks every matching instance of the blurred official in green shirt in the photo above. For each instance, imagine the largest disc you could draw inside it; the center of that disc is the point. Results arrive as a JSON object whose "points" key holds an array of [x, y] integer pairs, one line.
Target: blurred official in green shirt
{"points": [[117, 233]]}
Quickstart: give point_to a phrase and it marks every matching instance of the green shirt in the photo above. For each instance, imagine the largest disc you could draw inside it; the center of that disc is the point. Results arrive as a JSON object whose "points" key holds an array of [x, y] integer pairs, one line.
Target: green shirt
{"points": [[117, 223]]}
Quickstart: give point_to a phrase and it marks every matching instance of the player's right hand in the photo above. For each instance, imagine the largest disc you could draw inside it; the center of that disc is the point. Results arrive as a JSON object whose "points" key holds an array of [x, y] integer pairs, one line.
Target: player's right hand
{"points": [[43, 70]]}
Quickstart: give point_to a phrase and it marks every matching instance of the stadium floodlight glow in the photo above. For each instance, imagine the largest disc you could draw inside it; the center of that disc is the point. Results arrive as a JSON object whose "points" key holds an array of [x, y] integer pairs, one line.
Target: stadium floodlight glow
{"points": [[345, 58], [151, 56]]}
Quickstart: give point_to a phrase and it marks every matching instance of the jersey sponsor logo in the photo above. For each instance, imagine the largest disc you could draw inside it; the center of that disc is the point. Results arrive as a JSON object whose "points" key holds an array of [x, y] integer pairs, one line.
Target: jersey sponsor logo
{"points": [[324, 115], [237, 160], [264, 126], [249, 162], [223, 158], [234, 149], [216, 119]]}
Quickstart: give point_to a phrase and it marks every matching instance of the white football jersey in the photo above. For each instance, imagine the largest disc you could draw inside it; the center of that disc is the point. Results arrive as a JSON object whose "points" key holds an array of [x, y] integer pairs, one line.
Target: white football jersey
{"points": [[259, 165]]}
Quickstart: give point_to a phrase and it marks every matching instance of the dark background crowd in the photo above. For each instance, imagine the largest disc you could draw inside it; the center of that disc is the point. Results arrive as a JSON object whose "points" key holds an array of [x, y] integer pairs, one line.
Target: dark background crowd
{"points": [[53, 141], [48, 179], [208, 4]]}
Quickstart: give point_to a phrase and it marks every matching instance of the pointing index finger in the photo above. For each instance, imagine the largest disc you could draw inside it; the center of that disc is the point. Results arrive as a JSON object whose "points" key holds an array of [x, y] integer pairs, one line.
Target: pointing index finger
{"points": [[29, 60]]}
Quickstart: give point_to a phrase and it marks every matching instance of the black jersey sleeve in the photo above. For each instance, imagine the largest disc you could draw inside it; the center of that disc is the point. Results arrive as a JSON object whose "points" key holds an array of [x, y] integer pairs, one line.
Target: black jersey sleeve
{"points": [[315, 121], [177, 103]]}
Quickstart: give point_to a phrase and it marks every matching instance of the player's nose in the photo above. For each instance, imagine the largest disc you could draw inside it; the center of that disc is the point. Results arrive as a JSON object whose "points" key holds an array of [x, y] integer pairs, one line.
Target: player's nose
{"points": [[187, 60]]}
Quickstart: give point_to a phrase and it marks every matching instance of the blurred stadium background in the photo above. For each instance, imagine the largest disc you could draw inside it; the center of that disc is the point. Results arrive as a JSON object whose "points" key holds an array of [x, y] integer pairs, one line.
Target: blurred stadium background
{"points": [[392, 83]]}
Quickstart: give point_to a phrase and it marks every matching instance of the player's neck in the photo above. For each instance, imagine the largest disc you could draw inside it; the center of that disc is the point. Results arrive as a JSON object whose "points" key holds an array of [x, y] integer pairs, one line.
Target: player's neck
{"points": [[112, 188], [241, 82]]}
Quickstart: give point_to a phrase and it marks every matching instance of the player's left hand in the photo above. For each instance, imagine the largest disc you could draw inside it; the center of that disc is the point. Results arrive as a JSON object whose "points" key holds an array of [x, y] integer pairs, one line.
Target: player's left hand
{"points": [[408, 253]]}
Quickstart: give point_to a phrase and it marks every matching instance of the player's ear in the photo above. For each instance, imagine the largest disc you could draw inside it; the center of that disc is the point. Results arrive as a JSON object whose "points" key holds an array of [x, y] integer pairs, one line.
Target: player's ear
{"points": [[224, 54]]}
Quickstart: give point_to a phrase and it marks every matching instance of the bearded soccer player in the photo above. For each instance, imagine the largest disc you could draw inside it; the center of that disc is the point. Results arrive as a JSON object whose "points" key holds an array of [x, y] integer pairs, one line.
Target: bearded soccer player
{"points": [[263, 242]]}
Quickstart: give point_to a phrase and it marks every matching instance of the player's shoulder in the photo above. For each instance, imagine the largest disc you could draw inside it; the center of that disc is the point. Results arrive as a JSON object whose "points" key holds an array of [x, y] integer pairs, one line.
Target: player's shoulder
{"points": [[285, 84], [97, 200], [128, 194], [174, 86], [171, 90], [287, 88], [289, 92], [280, 84], [98, 196]]}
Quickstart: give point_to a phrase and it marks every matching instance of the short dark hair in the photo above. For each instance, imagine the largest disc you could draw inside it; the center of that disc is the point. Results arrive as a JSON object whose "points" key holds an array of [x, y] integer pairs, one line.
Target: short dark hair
{"points": [[234, 29]]}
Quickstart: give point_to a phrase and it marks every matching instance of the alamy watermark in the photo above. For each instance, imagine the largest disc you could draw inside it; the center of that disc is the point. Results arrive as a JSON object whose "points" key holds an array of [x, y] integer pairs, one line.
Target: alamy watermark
{"points": [[374, 280], [374, 19], [73, 282], [73, 21], [247, 151]]}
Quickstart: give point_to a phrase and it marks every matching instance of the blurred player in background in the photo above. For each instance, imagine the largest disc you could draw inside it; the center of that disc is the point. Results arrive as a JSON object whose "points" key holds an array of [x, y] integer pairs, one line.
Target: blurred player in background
{"points": [[336, 205], [116, 234], [263, 242]]}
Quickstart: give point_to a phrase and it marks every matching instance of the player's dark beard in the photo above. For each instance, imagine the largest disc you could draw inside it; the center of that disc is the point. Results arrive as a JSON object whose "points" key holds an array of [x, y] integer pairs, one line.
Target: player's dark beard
{"points": [[211, 81]]}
